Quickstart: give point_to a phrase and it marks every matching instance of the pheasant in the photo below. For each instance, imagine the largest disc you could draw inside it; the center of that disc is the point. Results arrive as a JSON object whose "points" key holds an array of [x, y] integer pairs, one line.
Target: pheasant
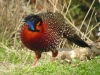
{"points": [[43, 32]]}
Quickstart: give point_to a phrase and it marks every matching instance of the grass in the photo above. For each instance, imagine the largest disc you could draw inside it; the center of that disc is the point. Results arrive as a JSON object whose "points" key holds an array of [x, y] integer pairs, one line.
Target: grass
{"points": [[13, 63]]}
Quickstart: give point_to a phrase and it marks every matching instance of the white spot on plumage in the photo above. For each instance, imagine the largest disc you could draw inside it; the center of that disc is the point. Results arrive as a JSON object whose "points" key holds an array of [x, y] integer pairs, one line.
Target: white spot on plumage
{"points": [[55, 27]]}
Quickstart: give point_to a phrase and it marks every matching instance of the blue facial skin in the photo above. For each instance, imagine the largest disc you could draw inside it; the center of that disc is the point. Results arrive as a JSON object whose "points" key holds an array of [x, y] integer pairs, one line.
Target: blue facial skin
{"points": [[31, 25]]}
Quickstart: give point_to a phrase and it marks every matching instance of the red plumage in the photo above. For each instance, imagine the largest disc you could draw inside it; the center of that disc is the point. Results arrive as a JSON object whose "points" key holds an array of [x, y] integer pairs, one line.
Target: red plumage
{"points": [[43, 32]]}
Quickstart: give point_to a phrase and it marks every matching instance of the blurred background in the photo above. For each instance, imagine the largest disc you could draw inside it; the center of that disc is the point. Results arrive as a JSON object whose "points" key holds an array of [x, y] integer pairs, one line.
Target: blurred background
{"points": [[82, 15]]}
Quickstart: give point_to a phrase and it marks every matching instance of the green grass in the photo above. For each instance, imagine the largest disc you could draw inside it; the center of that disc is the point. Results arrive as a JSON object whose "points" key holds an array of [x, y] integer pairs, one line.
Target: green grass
{"points": [[21, 64]]}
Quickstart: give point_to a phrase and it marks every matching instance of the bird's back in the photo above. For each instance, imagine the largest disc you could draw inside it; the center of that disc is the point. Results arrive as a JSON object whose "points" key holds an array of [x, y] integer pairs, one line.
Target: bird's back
{"points": [[54, 31], [55, 21]]}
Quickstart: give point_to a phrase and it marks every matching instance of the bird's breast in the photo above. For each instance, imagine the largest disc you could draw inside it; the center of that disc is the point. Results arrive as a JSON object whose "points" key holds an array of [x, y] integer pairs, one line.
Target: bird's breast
{"points": [[44, 40]]}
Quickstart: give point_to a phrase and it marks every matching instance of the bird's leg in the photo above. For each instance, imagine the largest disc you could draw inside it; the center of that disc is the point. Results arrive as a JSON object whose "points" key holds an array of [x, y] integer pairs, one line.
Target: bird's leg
{"points": [[54, 54], [37, 58]]}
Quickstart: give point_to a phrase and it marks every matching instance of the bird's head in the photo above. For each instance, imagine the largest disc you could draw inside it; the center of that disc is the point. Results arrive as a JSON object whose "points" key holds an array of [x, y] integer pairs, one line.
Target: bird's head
{"points": [[34, 22]]}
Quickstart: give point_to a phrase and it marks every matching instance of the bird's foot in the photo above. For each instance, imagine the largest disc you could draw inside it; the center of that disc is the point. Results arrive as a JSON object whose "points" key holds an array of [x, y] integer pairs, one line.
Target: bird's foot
{"points": [[34, 64], [36, 60], [54, 54], [52, 59]]}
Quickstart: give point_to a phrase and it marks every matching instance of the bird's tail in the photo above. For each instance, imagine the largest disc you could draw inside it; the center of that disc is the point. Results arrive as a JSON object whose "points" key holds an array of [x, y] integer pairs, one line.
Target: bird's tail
{"points": [[76, 39]]}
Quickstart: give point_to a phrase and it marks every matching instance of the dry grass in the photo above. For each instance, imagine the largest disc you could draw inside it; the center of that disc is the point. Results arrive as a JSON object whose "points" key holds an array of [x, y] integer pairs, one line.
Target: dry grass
{"points": [[12, 13]]}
